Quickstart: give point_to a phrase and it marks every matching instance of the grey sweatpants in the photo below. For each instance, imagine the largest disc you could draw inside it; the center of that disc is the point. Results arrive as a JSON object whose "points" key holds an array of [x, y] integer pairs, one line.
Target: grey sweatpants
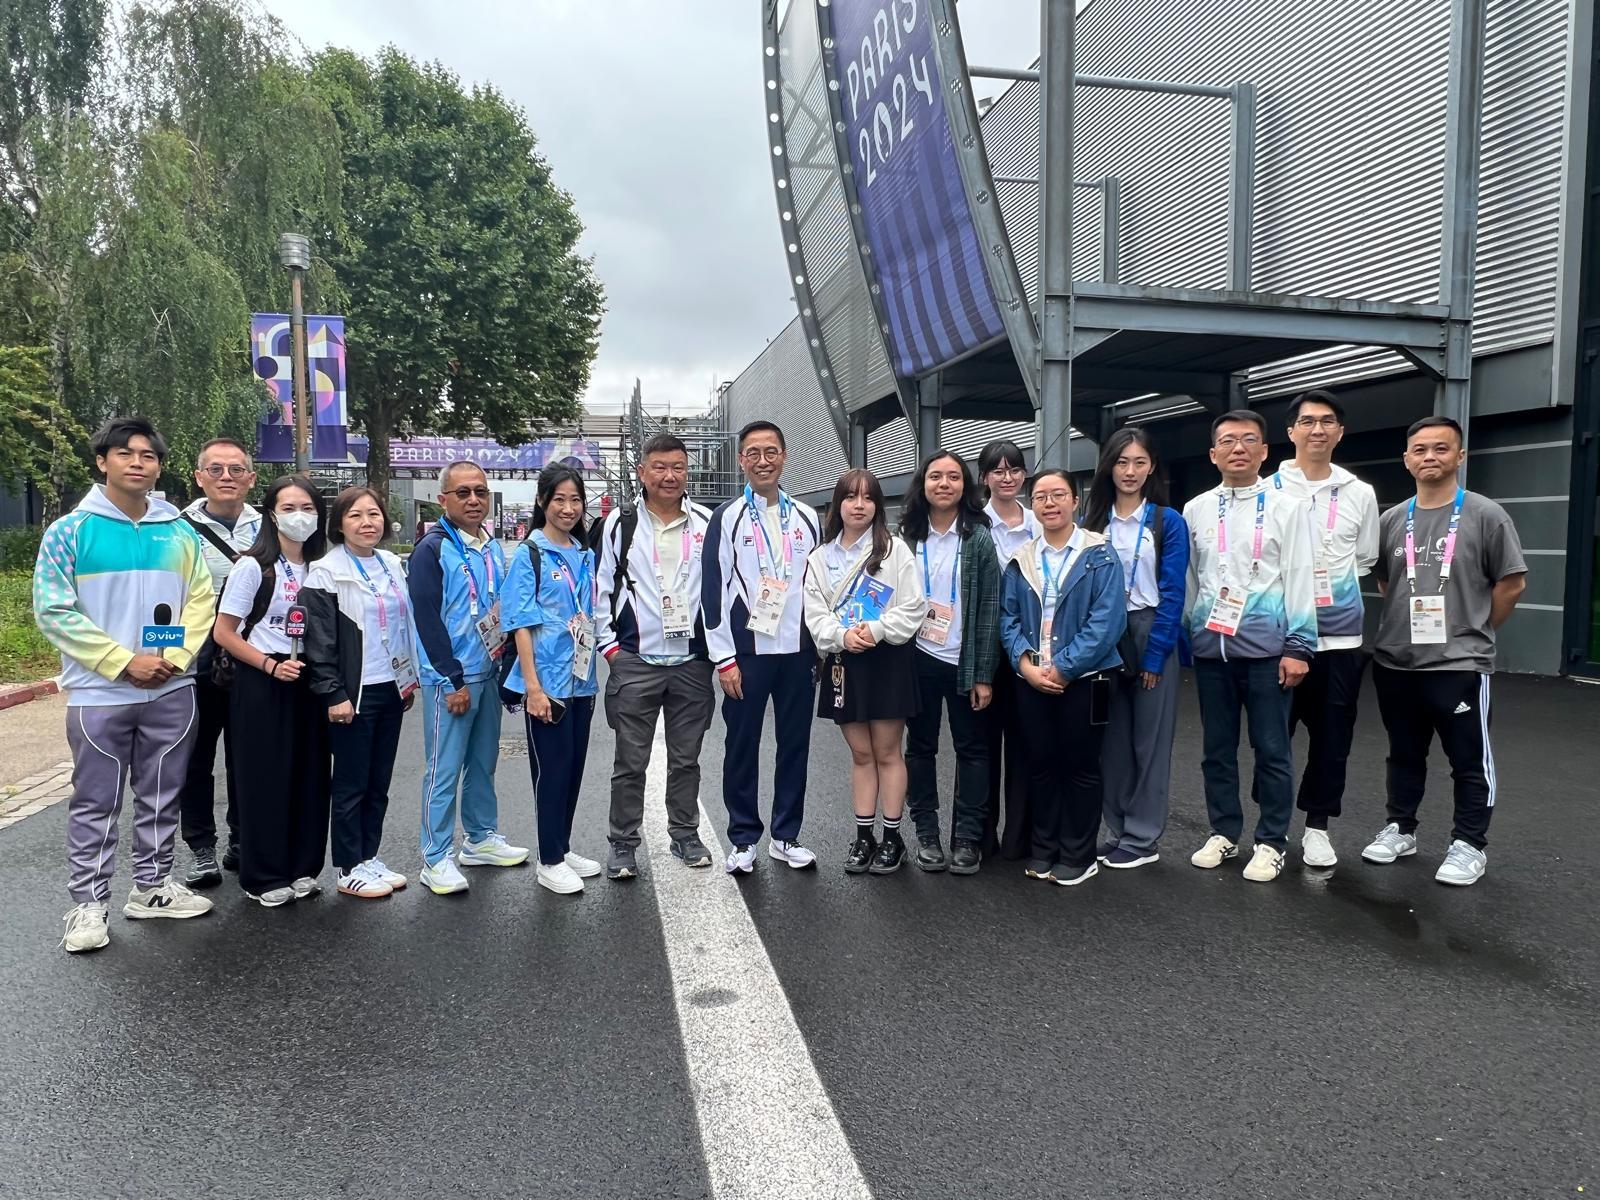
{"points": [[143, 745], [1136, 756], [636, 693]]}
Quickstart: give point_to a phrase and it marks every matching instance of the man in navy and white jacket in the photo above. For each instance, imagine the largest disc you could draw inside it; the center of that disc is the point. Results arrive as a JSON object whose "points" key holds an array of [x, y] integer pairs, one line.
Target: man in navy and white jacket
{"points": [[649, 627], [751, 596]]}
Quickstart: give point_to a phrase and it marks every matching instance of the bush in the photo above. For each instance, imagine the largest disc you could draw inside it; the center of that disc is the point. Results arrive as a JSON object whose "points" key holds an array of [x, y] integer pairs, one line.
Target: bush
{"points": [[25, 657], [19, 547]]}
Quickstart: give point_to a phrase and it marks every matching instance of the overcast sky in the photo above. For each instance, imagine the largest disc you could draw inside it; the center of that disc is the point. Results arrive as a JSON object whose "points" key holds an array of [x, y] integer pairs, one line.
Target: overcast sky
{"points": [[651, 115]]}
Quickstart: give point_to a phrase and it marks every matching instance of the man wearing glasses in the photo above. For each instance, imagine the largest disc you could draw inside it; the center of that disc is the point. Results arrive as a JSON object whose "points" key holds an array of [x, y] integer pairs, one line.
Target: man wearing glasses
{"points": [[455, 576], [751, 598], [1251, 618], [1342, 512], [227, 526]]}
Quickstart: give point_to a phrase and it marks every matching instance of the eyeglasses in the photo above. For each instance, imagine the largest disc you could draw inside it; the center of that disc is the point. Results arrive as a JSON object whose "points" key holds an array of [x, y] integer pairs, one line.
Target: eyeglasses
{"points": [[1007, 472], [464, 494], [761, 454], [1328, 422], [232, 470], [1060, 497], [1228, 441]]}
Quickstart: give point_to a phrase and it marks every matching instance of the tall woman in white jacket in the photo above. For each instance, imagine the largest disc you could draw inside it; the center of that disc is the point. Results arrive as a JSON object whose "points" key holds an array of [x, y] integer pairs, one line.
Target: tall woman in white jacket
{"points": [[864, 604]]}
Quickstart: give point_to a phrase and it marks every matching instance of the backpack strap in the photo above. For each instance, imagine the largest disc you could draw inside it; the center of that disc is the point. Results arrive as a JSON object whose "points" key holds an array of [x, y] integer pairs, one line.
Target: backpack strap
{"points": [[627, 524], [1158, 527], [210, 535]]}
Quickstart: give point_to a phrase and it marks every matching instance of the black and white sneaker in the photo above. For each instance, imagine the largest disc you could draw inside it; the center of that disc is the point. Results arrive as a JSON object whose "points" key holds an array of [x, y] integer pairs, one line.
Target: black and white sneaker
{"points": [[205, 872]]}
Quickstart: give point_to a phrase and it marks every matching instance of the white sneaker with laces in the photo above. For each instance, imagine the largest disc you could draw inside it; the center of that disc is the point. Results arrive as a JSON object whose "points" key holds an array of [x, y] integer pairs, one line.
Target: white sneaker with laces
{"points": [[443, 877], [87, 928], [274, 897], [306, 887], [793, 853], [1265, 865], [1463, 865], [1214, 852], [363, 882], [169, 898], [1317, 850], [1390, 844], [583, 868], [493, 851], [560, 878], [394, 879], [742, 861]]}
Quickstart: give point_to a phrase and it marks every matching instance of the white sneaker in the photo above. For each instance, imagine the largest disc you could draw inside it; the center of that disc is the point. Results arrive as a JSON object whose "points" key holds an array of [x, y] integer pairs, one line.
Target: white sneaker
{"points": [[396, 881], [1390, 844], [1317, 850], [1265, 865], [86, 928], [793, 853], [274, 897], [742, 861], [560, 878], [1214, 852], [443, 877], [1463, 865], [169, 898], [364, 883], [583, 868], [306, 887], [493, 851]]}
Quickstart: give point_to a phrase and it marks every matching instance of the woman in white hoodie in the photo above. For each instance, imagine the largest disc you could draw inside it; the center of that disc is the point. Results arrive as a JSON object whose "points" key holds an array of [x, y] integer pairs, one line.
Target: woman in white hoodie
{"points": [[863, 605]]}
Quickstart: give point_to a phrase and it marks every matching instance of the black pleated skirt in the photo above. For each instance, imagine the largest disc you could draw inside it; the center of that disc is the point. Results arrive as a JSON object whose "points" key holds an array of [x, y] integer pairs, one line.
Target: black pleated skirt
{"points": [[878, 685]]}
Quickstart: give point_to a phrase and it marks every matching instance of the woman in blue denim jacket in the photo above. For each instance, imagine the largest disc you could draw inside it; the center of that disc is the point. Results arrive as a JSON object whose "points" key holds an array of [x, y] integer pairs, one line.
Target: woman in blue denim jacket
{"points": [[1062, 611], [548, 608]]}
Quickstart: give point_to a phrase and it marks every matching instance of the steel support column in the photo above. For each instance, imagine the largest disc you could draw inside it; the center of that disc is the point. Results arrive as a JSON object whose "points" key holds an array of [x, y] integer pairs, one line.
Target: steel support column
{"points": [[857, 452], [930, 407], [1057, 57], [1241, 186]]}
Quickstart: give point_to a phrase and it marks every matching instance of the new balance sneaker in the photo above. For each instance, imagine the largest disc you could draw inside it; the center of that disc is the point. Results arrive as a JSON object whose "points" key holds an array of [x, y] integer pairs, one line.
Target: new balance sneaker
{"points": [[742, 861], [623, 861], [86, 928], [204, 872], [493, 851], [560, 878], [964, 857], [691, 851], [1316, 850], [1072, 876], [1214, 853], [396, 881], [169, 898], [306, 887], [1126, 860], [1463, 865], [443, 877], [363, 882], [1038, 868], [1265, 864], [583, 868], [1390, 844], [793, 853], [930, 853], [861, 852], [273, 897]]}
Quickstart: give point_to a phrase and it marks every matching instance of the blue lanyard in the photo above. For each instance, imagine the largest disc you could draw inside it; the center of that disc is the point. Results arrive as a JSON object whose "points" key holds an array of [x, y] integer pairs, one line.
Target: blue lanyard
{"points": [[955, 573], [1052, 587], [377, 597], [466, 568], [760, 531], [1138, 545], [575, 583]]}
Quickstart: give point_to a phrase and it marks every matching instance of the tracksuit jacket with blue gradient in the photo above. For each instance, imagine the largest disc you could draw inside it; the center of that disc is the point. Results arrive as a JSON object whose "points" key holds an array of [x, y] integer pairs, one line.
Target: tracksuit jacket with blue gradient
{"points": [[1347, 550], [449, 649], [1280, 611]]}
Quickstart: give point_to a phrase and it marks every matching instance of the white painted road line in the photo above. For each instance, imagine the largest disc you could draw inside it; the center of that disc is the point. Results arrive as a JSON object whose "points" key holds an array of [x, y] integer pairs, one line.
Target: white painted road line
{"points": [[766, 1125]]}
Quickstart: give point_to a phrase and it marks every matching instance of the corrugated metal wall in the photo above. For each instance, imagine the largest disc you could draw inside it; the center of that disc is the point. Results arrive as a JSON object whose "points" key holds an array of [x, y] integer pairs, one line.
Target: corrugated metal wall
{"points": [[780, 386]]}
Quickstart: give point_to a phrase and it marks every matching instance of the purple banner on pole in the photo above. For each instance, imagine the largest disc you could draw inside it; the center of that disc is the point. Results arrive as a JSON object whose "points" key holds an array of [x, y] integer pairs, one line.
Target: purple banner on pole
{"points": [[272, 358], [936, 296]]}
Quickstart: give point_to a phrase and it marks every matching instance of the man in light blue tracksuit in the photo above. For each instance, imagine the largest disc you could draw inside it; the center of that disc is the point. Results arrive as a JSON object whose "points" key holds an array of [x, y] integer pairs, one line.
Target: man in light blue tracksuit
{"points": [[456, 573]]}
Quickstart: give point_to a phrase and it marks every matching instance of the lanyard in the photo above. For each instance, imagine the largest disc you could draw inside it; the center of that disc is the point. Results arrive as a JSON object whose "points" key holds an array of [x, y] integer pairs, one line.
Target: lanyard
{"points": [[377, 596], [575, 582], [1222, 532], [291, 585], [1138, 546], [1449, 541], [1052, 586], [760, 531], [466, 569], [955, 572], [681, 578], [855, 580]]}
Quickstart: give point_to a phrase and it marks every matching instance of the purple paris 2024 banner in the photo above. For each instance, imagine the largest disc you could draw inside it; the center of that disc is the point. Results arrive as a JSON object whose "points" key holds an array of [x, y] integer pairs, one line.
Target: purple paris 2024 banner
{"points": [[936, 297], [272, 358]]}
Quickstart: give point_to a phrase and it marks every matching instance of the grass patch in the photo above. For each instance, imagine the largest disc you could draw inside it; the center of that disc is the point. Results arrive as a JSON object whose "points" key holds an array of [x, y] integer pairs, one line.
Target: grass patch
{"points": [[25, 657]]}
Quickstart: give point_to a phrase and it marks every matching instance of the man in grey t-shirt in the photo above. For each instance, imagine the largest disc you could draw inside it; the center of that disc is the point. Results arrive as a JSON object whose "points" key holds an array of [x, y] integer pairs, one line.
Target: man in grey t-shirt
{"points": [[1451, 569]]}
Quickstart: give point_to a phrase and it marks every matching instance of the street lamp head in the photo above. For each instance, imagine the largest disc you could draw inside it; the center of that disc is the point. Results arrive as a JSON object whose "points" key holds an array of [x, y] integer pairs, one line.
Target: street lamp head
{"points": [[294, 251]]}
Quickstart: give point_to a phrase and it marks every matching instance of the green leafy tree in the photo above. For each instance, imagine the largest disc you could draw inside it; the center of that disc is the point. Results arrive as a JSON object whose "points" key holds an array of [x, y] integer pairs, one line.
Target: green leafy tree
{"points": [[40, 442]]}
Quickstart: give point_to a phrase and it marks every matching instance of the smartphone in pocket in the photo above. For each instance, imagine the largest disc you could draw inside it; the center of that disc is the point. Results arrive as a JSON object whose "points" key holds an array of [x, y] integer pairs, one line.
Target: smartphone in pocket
{"points": [[1100, 700]]}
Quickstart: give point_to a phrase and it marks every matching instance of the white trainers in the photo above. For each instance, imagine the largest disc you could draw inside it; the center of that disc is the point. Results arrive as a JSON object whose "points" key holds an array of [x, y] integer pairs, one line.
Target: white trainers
{"points": [[306, 887], [1316, 850], [363, 882], [444, 877], [1214, 852], [583, 868], [742, 861], [560, 878], [1463, 865], [1265, 865], [274, 897], [86, 928], [793, 853], [169, 898], [493, 851], [1390, 844], [396, 881]]}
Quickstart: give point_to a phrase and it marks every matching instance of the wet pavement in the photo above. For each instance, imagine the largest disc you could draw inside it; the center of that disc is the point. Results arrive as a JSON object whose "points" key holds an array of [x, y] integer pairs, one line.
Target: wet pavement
{"points": [[1357, 1033]]}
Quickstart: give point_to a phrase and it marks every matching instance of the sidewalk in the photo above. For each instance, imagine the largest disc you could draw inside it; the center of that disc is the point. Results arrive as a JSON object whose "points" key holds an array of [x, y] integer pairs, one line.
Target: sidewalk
{"points": [[35, 764]]}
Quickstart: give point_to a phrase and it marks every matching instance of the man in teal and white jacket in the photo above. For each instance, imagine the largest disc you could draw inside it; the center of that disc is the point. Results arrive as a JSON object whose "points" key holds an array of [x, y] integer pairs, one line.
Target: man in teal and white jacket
{"points": [[1250, 616]]}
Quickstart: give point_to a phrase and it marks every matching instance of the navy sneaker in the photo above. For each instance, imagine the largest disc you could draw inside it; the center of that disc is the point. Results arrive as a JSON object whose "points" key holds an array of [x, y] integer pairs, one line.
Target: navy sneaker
{"points": [[1122, 859]]}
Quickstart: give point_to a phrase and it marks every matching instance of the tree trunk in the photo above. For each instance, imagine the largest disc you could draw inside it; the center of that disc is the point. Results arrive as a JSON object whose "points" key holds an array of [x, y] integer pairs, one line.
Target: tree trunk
{"points": [[379, 425], [53, 496]]}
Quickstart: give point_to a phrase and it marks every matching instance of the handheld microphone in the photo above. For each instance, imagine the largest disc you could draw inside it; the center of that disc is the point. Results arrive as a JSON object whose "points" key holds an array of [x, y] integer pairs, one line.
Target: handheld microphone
{"points": [[163, 616], [294, 628]]}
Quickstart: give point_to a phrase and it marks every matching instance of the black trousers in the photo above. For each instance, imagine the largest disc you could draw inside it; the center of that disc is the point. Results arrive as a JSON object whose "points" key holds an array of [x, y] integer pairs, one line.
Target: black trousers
{"points": [[1064, 790], [1008, 796], [1325, 703], [1415, 705], [936, 683], [197, 799], [282, 759], [363, 764]]}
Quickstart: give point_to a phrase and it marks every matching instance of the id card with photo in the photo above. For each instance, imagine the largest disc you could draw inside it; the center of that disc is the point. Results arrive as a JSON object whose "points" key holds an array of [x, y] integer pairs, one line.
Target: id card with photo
{"points": [[1427, 620], [936, 625], [675, 622], [1227, 612], [582, 630], [489, 631], [405, 675], [769, 601]]}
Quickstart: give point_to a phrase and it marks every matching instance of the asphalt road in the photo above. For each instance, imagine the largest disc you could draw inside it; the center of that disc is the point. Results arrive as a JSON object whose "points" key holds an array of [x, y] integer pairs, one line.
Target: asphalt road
{"points": [[1164, 1032]]}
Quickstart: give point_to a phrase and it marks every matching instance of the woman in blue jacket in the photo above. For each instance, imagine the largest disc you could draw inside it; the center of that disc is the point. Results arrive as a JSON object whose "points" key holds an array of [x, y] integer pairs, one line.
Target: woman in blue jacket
{"points": [[1062, 611], [1128, 503], [548, 607]]}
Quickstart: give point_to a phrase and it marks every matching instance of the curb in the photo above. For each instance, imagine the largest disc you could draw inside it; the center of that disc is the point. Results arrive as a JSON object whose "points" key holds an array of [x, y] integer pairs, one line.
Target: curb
{"points": [[12, 695]]}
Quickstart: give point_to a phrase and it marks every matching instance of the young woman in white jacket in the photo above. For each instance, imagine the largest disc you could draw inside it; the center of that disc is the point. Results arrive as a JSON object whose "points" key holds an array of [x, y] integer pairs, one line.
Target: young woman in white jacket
{"points": [[863, 605]]}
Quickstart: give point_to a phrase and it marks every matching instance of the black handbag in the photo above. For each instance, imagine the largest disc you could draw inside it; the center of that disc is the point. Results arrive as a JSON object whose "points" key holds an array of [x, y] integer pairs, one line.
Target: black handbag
{"points": [[223, 667]]}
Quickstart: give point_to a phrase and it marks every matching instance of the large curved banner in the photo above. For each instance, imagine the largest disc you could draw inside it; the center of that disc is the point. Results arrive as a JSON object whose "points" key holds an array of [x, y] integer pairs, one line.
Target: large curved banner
{"points": [[936, 296]]}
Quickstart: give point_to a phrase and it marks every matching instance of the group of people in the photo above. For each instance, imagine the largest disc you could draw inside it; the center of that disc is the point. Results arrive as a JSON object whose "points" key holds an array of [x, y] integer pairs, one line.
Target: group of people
{"points": [[1046, 629]]}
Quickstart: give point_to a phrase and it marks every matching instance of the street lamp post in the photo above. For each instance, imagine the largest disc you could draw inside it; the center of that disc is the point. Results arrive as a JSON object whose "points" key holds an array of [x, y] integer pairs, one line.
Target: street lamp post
{"points": [[294, 252]]}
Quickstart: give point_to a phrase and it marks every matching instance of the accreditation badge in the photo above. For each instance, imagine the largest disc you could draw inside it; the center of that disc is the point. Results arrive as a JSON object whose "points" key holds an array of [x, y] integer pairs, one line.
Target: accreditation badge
{"points": [[489, 631], [405, 675], [1427, 620], [936, 624], [769, 600], [582, 630], [1322, 587], [675, 622], [1227, 612]]}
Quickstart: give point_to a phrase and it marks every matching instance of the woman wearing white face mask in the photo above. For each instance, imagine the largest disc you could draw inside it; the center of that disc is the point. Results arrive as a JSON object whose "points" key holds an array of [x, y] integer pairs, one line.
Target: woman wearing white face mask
{"points": [[281, 753]]}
